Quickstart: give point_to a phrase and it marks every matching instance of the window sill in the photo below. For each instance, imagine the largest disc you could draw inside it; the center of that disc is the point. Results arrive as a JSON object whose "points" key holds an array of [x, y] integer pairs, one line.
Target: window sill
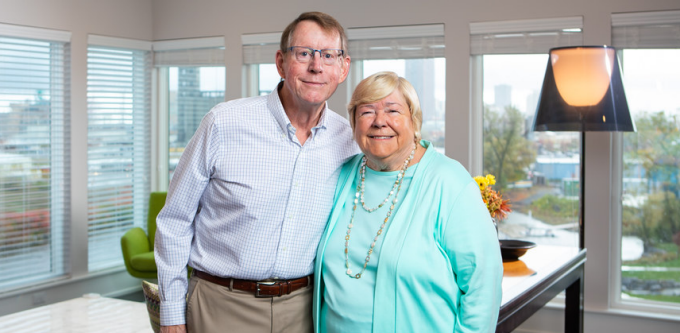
{"points": [[558, 304]]}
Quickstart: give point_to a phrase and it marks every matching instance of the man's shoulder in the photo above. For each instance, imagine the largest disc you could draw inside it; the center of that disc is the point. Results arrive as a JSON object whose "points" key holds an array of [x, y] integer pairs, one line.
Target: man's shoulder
{"points": [[229, 108], [339, 133]]}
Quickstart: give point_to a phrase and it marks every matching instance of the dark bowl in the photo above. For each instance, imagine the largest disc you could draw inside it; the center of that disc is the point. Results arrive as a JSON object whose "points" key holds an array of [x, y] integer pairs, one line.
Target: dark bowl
{"points": [[513, 249]]}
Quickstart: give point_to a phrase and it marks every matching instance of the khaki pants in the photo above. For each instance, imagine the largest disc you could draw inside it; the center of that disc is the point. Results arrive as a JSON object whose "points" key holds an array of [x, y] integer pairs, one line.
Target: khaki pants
{"points": [[215, 308]]}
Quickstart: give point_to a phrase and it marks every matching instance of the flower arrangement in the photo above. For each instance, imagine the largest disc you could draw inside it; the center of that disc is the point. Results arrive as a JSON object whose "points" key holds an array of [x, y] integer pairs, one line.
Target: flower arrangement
{"points": [[497, 206]]}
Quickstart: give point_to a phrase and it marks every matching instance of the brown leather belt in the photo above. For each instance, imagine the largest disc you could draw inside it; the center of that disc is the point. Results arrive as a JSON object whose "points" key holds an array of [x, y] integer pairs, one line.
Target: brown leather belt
{"points": [[259, 288]]}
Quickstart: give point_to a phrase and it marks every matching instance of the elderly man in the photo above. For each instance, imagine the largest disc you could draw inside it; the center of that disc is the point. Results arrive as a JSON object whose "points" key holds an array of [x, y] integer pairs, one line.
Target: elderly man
{"points": [[251, 195]]}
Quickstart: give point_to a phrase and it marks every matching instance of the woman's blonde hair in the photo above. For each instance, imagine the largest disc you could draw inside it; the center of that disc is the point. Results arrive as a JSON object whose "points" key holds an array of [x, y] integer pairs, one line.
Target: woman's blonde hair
{"points": [[381, 85]]}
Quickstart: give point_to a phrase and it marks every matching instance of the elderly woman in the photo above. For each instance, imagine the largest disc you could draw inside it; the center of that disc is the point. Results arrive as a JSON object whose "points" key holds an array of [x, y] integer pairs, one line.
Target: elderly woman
{"points": [[409, 245]]}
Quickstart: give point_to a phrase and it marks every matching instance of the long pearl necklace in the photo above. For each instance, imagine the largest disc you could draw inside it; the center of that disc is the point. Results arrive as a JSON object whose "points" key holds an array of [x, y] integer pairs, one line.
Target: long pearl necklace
{"points": [[360, 194]]}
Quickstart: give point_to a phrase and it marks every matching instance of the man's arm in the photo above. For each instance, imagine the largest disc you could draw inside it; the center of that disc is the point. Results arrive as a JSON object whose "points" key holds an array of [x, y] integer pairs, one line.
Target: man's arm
{"points": [[175, 227], [174, 329]]}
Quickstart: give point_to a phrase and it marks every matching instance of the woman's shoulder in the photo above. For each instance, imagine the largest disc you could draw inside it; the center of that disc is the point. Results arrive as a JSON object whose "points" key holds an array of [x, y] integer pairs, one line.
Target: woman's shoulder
{"points": [[445, 170], [351, 163]]}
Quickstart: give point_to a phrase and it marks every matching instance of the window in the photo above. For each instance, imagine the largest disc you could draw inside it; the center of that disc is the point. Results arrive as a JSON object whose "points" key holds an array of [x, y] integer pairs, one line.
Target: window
{"points": [[259, 68], [119, 111], [413, 52], [34, 154], [192, 78], [649, 47], [192, 92], [538, 171]]}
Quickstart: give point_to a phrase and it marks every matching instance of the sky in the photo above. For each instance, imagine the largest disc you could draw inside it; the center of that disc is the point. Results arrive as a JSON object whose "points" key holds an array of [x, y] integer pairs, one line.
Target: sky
{"points": [[649, 86]]}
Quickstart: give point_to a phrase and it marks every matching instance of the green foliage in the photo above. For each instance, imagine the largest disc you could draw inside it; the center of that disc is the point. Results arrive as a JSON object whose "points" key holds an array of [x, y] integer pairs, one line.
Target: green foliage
{"points": [[651, 275], [654, 221], [655, 144], [554, 210], [668, 256], [655, 148], [507, 152], [658, 298]]}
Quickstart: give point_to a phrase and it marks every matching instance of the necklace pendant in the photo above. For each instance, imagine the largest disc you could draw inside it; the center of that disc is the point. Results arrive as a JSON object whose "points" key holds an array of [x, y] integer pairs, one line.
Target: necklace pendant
{"points": [[359, 197]]}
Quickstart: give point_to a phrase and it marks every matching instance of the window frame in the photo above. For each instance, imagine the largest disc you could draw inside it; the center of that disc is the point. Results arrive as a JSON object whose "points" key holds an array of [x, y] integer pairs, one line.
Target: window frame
{"points": [[480, 31], [622, 21], [256, 49], [190, 52], [60, 144], [140, 195]]}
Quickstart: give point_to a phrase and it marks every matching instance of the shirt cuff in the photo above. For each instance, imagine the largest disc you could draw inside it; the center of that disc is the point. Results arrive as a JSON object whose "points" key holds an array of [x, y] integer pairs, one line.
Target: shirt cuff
{"points": [[173, 313]]}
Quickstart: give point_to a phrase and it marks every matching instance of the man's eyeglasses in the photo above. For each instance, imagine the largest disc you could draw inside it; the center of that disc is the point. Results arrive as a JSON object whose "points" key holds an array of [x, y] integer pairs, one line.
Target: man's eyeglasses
{"points": [[305, 54]]}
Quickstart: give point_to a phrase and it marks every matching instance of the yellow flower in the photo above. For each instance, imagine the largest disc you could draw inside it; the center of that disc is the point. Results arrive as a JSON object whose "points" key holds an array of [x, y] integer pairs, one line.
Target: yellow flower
{"points": [[482, 182], [491, 179]]}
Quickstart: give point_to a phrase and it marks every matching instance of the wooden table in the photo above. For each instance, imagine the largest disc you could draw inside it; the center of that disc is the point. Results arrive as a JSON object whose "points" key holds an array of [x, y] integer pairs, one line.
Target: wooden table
{"points": [[539, 275]]}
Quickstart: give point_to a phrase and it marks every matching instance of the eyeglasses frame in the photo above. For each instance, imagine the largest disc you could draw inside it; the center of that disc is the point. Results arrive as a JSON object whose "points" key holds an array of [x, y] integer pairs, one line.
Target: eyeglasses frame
{"points": [[313, 51]]}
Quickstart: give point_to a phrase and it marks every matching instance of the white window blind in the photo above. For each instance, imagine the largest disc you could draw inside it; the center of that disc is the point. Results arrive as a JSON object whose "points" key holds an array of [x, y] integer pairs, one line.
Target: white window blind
{"points": [[118, 99], [259, 55], [402, 42], [525, 36], [260, 48], [651, 30], [207, 51], [34, 155], [399, 42]]}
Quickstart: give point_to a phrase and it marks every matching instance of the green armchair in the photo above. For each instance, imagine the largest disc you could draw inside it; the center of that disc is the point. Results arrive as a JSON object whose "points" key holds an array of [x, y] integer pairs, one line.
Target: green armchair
{"points": [[138, 247]]}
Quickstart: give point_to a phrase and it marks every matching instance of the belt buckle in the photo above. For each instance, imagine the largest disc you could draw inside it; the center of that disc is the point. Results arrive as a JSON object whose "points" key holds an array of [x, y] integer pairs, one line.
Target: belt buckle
{"points": [[257, 289]]}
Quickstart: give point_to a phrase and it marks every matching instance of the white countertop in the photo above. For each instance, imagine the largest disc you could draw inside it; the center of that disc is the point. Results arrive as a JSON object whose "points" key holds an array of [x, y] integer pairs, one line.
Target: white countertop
{"points": [[90, 313]]}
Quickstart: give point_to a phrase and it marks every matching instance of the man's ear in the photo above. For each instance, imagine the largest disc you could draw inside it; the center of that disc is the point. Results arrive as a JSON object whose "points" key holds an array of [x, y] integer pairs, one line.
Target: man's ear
{"points": [[279, 64], [346, 61]]}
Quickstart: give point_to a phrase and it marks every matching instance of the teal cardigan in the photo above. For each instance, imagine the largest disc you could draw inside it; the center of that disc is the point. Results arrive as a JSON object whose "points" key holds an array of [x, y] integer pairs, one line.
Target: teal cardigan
{"points": [[440, 266]]}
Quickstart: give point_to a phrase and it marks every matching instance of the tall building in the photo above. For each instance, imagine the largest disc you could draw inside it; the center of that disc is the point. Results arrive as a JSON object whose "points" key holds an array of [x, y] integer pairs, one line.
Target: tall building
{"points": [[189, 93], [532, 102], [420, 72], [502, 96]]}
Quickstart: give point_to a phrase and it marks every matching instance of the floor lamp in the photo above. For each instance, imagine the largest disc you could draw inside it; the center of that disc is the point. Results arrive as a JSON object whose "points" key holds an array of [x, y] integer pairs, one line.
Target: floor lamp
{"points": [[583, 91]]}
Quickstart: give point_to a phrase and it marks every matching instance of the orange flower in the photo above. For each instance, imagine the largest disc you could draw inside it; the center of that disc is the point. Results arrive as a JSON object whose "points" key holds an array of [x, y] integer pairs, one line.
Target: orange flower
{"points": [[497, 206]]}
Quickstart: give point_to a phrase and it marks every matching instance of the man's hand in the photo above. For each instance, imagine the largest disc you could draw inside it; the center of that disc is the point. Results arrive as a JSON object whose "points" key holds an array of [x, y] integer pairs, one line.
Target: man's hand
{"points": [[174, 329]]}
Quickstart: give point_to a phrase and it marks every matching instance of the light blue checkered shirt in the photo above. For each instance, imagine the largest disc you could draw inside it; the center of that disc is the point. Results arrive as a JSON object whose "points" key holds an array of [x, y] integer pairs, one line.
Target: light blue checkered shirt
{"points": [[247, 200]]}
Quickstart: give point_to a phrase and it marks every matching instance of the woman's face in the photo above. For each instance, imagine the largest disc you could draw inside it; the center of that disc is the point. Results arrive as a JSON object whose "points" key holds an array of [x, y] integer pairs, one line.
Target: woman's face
{"points": [[384, 132]]}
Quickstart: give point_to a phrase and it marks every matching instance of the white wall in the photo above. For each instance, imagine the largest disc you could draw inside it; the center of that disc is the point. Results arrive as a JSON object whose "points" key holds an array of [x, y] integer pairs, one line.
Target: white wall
{"points": [[173, 19]]}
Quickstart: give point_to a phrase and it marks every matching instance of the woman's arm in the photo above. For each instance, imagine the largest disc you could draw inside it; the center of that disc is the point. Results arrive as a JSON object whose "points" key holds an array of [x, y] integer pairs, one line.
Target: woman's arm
{"points": [[470, 241]]}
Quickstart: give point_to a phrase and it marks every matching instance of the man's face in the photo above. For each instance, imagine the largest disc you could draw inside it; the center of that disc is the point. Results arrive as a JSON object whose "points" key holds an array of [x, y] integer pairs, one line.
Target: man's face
{"points": [[310, 84]]}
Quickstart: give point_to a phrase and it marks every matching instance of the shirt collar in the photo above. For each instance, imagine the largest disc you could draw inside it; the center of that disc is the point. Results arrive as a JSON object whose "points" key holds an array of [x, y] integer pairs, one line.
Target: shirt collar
{"points": [[276, 108]]}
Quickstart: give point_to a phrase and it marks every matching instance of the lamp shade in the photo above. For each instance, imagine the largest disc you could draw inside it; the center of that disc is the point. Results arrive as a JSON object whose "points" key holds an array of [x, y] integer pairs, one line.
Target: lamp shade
{"points": [[583, 91]]}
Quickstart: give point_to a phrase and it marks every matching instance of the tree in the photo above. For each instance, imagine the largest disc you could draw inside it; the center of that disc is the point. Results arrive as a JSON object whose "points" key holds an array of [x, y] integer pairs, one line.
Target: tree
{"points": [[507, 152], [654, 149]]}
